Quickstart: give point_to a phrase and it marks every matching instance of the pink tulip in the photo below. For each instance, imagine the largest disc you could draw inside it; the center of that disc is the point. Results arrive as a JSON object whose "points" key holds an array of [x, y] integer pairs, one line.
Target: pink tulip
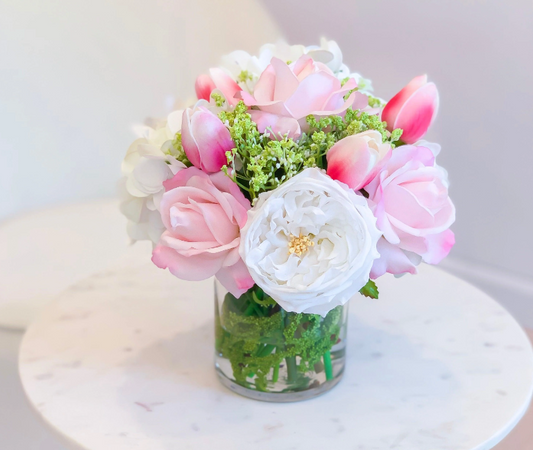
{"points": [[413, 109], [204, 86], [409, 198], [356, 160], [205, 138], [217, 79], [203, 215]]}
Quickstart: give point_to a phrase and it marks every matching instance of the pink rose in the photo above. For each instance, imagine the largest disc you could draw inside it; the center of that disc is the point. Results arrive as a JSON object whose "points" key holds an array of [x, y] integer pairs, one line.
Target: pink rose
{"points": [[203, 216], [413, 109], [410, 201], [356, 160], [291, 92], [217, 79], [205, 138]]}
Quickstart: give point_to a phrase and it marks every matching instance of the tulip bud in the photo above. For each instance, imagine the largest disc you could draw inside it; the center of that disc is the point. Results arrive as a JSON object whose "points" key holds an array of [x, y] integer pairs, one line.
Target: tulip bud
{"points": [[204, 86], [356, 160], [226, 85], [205, 139], [217, 79], [413, 109]]}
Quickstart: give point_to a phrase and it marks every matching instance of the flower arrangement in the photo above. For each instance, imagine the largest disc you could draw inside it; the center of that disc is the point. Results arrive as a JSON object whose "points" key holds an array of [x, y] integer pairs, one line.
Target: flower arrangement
{"points": [[296, 188]]}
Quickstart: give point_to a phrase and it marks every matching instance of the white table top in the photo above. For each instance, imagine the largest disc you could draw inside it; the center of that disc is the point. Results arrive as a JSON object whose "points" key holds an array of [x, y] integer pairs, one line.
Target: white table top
{"points": [[45, 251], [124, 361]]}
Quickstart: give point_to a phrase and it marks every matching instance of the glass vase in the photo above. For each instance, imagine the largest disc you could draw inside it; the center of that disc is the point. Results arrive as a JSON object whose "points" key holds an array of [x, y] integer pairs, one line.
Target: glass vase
{"points": [[266, 353]]}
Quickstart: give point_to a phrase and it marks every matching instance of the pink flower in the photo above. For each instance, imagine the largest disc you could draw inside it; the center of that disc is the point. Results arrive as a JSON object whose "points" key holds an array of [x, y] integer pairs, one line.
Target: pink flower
{"points": [[356, 160], [413, 109], [203, 216], [205, 138], [410, 201], [290, 93], [204, 86], [217, 79]]}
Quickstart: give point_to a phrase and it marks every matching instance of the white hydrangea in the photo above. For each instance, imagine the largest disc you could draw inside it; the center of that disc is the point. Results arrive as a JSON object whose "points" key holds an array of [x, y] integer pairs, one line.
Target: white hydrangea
{"points": [[148, 163], [310, 243], [246, 69]]}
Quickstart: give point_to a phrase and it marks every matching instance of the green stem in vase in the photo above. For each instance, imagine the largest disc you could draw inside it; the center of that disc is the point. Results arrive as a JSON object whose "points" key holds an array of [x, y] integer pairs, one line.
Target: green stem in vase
{"points": [[275, 374], [327, 366], [266, 350], [249, 310], [292, 369]]}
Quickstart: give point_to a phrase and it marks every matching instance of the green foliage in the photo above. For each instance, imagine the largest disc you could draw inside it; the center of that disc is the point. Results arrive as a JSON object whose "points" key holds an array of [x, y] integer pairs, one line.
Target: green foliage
{"points": [[176, 150], [218, 98], [257, 340], [375, 102], [370, 289], [244, 76], [263, 161]]}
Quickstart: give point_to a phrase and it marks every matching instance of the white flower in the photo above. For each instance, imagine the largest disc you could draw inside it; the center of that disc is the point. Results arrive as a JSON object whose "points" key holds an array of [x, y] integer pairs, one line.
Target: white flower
{"points": [[246, 69], [310, 243], [330, 54], [148, 163]]}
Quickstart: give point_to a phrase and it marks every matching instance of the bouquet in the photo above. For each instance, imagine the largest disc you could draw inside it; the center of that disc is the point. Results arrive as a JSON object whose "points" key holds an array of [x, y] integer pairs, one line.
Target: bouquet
{"points": [[297, 188]]}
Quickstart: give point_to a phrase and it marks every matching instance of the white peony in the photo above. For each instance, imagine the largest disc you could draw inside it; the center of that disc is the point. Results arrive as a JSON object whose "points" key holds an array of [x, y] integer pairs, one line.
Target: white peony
{"points": [[148, 163], [310, 243]]}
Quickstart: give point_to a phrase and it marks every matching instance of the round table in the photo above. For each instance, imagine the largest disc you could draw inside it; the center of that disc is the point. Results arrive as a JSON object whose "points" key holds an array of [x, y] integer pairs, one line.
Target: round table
{"points": [[45, 251], [124, 361]]}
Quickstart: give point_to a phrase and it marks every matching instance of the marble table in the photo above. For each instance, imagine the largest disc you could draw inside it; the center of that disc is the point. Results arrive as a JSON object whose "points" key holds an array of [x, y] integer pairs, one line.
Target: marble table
{"points": [[124, 361], [73, 242]]}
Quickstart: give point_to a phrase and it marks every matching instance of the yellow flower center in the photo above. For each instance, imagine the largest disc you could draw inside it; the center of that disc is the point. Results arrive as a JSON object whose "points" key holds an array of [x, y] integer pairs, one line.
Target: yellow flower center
{"points": [[299, 244]]}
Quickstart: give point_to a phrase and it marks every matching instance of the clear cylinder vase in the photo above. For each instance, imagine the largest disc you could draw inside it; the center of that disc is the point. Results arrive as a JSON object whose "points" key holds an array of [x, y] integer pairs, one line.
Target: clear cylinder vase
{"points": [[266, 353]]}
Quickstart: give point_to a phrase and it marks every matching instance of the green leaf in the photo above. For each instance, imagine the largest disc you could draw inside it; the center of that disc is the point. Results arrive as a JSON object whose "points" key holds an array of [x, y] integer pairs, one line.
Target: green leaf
{"points": [[370, 290]]}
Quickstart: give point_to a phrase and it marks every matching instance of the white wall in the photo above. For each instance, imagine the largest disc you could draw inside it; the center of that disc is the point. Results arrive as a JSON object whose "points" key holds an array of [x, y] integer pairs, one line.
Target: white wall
{"points": [[480, 54], [75, 75]]}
